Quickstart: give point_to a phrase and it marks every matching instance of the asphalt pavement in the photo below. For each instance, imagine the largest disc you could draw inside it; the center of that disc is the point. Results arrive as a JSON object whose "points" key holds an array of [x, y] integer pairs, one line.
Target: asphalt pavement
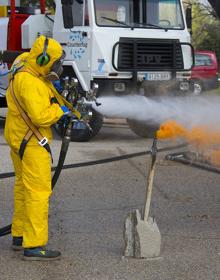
{"points": [[89, 205]]}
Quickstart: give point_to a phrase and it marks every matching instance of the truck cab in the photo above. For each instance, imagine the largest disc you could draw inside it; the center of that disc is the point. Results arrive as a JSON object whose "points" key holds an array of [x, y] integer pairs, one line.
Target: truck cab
{"points": [[124, 45]]}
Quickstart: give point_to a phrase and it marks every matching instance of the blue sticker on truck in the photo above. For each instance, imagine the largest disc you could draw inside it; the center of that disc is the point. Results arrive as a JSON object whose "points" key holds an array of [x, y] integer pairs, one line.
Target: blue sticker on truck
{"points": [[77, 44], [101, 63], [100, 70]]}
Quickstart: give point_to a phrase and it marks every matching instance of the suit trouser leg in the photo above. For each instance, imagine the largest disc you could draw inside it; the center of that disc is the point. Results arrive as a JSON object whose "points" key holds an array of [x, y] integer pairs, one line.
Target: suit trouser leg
{"points": [[36, 179], [18, 215]]}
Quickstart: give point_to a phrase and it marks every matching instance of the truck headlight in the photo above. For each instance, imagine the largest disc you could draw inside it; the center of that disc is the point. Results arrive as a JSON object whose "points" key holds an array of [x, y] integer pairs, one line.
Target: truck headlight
{"points": [[119, 87]]}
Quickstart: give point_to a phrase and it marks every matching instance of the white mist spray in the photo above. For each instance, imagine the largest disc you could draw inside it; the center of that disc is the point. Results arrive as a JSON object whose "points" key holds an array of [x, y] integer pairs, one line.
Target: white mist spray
{"points": [[189, 111]]}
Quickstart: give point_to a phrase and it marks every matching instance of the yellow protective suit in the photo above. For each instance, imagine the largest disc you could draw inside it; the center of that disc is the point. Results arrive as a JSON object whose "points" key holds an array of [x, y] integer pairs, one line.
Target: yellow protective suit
{"points": [[33, 173]]}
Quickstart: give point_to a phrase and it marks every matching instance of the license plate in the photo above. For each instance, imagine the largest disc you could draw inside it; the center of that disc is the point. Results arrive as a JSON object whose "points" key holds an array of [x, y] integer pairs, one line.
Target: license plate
{"points": [[157, 76]]}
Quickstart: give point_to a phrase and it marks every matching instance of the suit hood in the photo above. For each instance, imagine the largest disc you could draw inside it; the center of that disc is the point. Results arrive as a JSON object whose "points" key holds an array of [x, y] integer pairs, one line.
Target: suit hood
{"points": [[53, 50]]}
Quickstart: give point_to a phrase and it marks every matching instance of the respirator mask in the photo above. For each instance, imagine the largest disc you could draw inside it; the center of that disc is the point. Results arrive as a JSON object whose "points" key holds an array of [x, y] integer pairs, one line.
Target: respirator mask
{"points": [[56, 69]]}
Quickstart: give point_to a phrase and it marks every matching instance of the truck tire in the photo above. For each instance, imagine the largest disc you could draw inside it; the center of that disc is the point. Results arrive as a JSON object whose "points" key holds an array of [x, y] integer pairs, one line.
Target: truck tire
{"points": [[142, 129], [85, 134]]}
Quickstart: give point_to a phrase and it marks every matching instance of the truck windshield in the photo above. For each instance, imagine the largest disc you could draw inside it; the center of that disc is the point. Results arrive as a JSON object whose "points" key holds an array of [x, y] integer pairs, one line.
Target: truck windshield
{"points": [[139, 13]]}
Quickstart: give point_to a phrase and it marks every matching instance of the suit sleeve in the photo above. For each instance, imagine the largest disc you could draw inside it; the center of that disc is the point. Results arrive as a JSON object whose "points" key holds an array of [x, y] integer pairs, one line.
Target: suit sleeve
{"points": [[36, 99]]}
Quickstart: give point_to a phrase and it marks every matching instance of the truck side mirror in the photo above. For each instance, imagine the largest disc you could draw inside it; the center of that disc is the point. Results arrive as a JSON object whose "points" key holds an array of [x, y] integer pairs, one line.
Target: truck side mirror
{"points": [[189, 18], [67, 13], [67, 16]]}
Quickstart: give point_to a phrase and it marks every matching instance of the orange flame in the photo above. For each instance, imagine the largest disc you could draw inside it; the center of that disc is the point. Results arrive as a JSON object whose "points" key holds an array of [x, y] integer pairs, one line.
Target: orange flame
{"points": [[170, 129], [215, 158], [205, 140], [199, 137]]}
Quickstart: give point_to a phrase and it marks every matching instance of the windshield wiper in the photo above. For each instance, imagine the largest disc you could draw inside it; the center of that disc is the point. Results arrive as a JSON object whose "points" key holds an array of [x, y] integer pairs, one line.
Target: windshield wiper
{"points": [[120, 22], [138, 24], [152, 25]]}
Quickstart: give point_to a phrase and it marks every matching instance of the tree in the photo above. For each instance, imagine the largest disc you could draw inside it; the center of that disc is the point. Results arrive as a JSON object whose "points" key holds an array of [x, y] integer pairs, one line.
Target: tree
{"points": [[205, 27], [49, 3], [216, 5], [206, 10]]}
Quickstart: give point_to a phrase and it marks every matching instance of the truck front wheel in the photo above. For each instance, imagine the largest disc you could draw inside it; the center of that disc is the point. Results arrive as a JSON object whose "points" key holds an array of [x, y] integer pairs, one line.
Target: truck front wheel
{"points": [[142, 129], [83, 135]]}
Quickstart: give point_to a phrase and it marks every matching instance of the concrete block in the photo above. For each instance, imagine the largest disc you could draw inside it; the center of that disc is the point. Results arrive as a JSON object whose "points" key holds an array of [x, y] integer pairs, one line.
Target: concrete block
{"points": [[142, 239]]}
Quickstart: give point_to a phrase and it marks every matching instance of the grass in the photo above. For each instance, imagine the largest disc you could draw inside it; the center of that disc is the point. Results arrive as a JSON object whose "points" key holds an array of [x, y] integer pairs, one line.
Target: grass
{"points": [[214, 91]]}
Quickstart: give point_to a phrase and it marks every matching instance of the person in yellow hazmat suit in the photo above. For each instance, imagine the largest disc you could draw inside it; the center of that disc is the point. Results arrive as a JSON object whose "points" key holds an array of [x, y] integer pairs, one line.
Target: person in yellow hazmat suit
{"points": [[35, 94]]}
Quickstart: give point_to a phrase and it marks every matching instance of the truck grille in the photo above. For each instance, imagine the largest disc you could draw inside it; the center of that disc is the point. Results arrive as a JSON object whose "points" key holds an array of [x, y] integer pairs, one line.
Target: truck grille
{"points": [[149, 54]]}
